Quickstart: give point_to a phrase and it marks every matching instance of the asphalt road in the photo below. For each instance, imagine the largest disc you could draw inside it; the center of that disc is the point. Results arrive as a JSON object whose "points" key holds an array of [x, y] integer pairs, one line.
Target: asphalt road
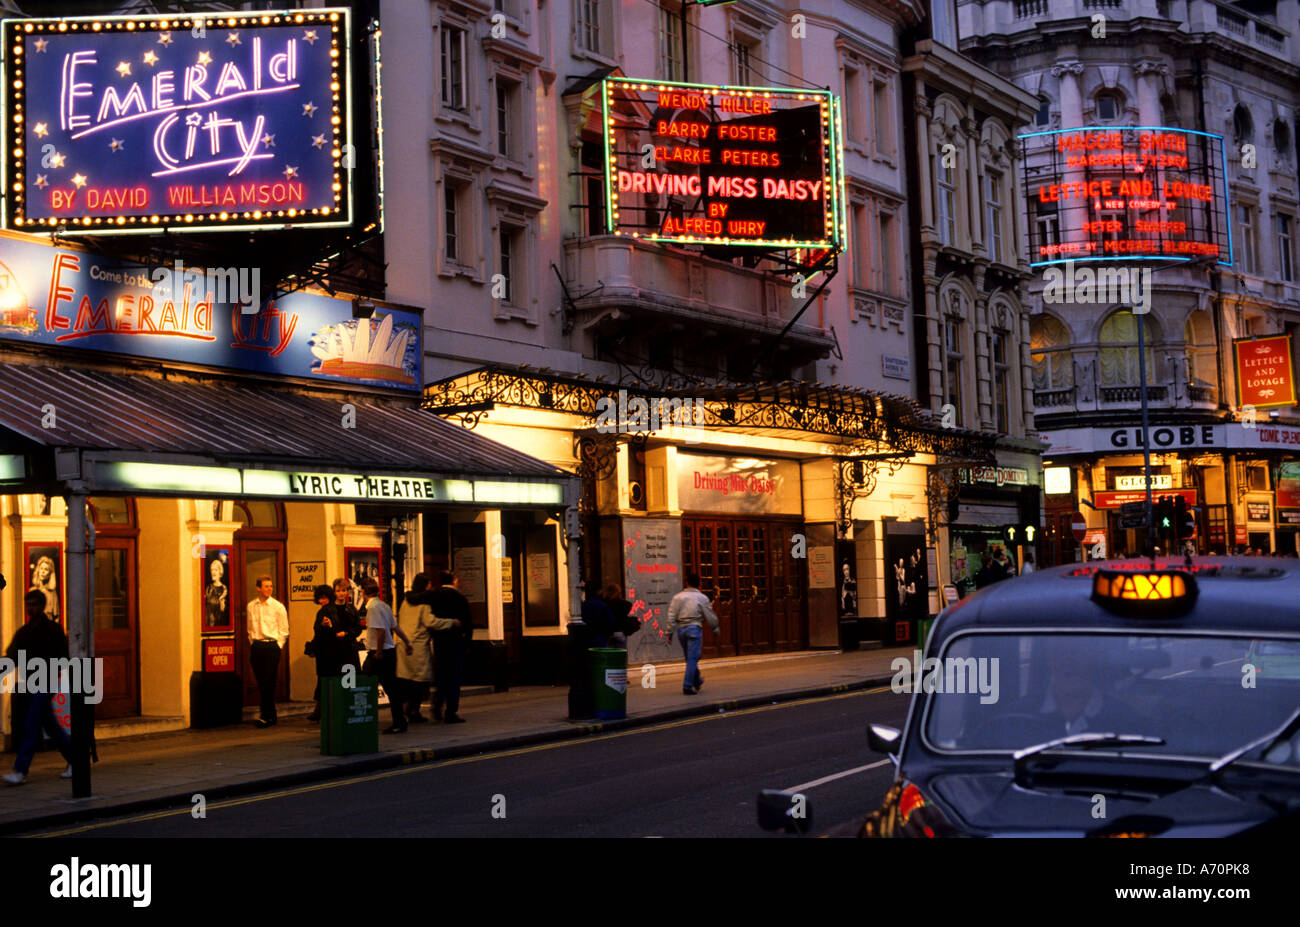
{"points": [[697, 777]]}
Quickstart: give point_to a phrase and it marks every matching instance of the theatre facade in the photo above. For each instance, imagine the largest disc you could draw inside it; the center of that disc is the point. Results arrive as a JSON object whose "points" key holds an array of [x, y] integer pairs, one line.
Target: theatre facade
{"points": [[151, 474]]}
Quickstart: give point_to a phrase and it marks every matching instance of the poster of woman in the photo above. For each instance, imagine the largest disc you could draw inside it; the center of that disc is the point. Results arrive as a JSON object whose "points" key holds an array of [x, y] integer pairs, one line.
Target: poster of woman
{"points": [[45, 575], [362, 564], [217, 611]]}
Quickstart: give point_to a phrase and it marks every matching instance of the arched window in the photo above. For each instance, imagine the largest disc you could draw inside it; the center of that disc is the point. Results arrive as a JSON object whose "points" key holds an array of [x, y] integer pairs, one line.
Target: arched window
{"points": [[109, 511], [257, 514], [1044, 115], [1202, 364], [1243, 127], [1109, 106], [1049, 353], [1119, 353], [954, 365], [1282, 139]]}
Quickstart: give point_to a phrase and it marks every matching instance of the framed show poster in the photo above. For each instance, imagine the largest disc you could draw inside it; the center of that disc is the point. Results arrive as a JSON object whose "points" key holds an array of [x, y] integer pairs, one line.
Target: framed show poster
{"points": [[44, 561], [218, 604], [361, 564]]}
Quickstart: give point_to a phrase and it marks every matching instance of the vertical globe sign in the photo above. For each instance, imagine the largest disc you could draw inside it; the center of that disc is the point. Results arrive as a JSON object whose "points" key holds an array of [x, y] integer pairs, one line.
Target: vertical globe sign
{"points": [[1110, 204], [183, 122]]}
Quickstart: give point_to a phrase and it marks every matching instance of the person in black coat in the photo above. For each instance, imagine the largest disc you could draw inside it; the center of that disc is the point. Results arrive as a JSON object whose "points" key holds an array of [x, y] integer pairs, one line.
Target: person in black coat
{"points": [[38, 639], [349, 620], [619, 610], [331, 643], [449, 646]]}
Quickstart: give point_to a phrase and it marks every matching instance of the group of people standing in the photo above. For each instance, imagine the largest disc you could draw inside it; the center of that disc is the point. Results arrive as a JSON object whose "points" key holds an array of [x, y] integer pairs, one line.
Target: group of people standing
{"points": [[434, 627]]}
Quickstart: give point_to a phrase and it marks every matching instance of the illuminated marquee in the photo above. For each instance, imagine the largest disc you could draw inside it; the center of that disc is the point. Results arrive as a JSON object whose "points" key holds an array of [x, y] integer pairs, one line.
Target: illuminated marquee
{"points": [[750, 166], [138, 123], [1126, 194]]}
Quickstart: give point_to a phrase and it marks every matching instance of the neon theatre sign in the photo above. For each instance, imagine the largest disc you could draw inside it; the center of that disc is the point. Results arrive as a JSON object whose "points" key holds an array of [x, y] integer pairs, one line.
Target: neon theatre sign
{"points": [[1120, 194], [140, 123], [749, 166]]}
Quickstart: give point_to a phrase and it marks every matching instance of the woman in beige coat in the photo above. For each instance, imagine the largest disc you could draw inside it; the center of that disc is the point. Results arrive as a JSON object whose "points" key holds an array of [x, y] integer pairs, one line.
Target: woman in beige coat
{"points": [[415, 669]]}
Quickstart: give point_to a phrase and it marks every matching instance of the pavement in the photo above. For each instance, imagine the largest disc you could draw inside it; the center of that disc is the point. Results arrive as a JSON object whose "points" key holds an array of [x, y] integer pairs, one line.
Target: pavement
{"points": [[152, 771]]}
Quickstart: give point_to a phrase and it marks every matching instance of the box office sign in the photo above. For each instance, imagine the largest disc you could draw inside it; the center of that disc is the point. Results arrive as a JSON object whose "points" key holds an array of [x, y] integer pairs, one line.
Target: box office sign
{"points": [[218, 655], [1259, 512], [738, 485], [179, 122], [60, 297], [1265, 373], [754, 165]]}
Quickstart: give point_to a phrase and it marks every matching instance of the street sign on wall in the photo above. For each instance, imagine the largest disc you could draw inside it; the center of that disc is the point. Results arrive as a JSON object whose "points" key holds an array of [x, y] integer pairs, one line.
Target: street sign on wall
{"points": [[184, 122], [699, 164]]}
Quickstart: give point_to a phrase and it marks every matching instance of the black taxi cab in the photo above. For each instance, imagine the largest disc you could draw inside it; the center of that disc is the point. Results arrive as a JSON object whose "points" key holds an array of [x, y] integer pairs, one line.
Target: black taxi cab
{"points": [[1134, 698]]}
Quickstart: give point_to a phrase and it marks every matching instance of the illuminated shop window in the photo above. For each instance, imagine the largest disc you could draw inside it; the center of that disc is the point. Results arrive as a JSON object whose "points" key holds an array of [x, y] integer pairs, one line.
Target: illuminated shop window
{"points": [[453, 68], [1119, 353], [109, 510], [1049, 354]]}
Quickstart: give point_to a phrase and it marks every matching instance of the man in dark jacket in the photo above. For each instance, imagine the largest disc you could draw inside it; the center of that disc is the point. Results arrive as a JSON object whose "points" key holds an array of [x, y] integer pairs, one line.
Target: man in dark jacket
{"points": [[39, 639], [449, 646]]}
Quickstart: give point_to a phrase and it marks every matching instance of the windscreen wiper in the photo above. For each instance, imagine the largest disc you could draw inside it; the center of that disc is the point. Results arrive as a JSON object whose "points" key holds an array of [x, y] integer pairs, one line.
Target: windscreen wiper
{"points": [[1085, 741], [1268, 741]]}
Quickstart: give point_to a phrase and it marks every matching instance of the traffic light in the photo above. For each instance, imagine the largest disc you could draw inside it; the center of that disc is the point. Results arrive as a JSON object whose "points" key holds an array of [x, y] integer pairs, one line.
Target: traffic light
{"points": [[1184, 519], [1164, 513]]}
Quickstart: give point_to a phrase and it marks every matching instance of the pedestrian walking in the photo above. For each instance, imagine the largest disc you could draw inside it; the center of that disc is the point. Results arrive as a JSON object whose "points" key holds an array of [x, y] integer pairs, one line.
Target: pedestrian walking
{"points": [[382, 629], [620, 613], [449, 646], [415, 669], [268, 633], [687, 612], [38, 639]]}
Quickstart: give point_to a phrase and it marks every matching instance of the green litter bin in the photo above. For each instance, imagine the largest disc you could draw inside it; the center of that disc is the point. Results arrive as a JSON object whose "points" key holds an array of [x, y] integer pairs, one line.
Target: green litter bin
{"points": [[349, 717], [609, 681]]}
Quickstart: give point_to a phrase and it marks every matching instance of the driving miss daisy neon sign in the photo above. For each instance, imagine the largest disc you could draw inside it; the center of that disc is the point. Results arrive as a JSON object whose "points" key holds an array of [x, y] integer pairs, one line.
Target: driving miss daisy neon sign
{"points": [[149, 122]]}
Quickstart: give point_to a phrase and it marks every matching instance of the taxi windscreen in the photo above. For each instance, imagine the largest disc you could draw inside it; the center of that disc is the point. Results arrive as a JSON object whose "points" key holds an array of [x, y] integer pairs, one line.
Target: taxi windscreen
{"points": [[1203, 695]]}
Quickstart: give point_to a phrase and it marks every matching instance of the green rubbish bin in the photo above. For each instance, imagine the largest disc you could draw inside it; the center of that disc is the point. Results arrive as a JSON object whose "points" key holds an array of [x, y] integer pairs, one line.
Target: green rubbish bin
{"points": [[609, 681], [349, 717]]}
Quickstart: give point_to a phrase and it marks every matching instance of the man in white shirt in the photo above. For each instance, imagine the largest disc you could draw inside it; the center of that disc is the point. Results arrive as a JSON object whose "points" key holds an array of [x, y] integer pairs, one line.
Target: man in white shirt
{"points": [[381, 627], [687, 612], [268, 632]]}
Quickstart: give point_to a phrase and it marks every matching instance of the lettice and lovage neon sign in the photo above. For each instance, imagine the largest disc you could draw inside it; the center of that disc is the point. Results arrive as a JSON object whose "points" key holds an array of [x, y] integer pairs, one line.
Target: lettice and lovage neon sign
{"points": [[748, 165], [147, 122]]}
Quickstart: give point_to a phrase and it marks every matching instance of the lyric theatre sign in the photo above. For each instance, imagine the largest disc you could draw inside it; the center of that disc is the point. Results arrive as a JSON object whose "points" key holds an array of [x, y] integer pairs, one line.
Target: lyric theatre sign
{"points": [[178, 122], [1142, 193], [729, 166]]}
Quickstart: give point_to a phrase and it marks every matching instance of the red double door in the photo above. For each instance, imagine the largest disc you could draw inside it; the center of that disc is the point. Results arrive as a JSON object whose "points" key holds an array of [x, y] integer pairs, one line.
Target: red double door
{"points": [[756, 587]]}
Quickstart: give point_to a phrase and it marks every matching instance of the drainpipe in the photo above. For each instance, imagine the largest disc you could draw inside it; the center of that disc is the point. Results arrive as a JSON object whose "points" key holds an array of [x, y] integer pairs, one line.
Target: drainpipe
{"points": [[81, 629]]}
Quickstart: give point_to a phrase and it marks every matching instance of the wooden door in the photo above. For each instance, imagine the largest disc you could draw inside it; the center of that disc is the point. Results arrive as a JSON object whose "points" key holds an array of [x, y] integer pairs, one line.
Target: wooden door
{"points": [[753, 587], [116, 641], [254, 558], [787, 589]]}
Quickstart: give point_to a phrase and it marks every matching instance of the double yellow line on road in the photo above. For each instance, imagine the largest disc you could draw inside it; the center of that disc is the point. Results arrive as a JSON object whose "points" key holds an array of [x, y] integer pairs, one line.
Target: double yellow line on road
{"points": [[723, 713]]}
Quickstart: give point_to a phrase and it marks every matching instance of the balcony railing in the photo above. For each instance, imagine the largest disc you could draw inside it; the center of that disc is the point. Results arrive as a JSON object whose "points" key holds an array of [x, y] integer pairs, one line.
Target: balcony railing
{"points": [[1053, 398], [1030, 8], [1133, 393]]}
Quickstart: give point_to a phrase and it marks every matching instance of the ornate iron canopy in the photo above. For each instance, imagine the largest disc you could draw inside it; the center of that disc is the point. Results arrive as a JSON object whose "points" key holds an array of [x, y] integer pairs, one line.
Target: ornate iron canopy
{"points": [[866, 422]]}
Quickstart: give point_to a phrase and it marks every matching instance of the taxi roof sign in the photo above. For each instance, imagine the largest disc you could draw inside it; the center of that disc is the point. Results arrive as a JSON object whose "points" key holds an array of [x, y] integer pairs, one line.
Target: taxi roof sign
{"points": [[1151, 593]]}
